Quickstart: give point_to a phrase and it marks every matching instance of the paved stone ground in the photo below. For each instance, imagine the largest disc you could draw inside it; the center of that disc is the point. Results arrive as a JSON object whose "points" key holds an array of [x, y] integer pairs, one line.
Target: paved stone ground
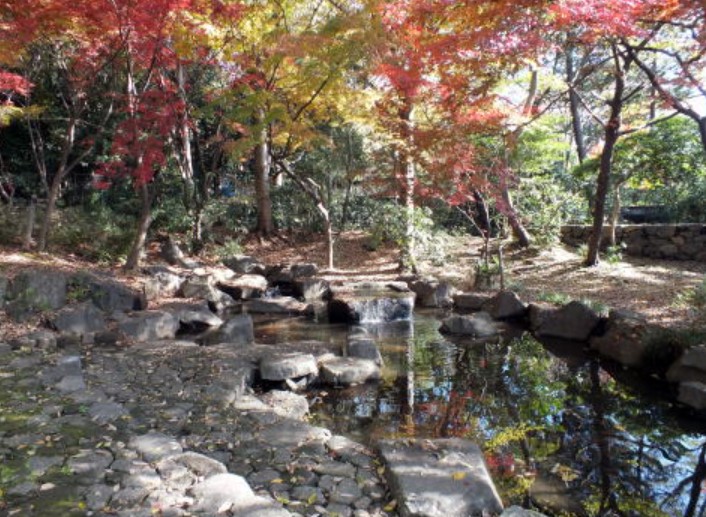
{"points": [[167, 428]]}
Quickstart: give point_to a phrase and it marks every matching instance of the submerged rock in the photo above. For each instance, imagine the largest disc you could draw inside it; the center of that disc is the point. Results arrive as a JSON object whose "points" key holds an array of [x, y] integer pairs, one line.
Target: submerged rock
{"points": [[476, 325], [439, 478], [347, 371]]}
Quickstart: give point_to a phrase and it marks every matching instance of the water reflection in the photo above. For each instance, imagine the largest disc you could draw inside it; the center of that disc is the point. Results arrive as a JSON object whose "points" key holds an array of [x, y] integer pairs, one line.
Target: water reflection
{"points": [[558, 429]]}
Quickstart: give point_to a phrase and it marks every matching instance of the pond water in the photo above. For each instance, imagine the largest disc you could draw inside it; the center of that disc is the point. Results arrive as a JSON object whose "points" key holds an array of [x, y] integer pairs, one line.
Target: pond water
{"points": [[578, 436]]}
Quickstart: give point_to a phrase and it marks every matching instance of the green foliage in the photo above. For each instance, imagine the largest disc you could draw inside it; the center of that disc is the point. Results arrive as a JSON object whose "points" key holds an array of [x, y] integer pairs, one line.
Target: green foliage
{"points": [[695, 300], [664, 346], [554, 298], [229, 248], [614, 254]]}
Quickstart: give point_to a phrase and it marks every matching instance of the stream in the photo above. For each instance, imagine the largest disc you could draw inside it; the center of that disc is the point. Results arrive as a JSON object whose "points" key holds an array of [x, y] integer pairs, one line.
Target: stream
{"points": [[561, 430]]}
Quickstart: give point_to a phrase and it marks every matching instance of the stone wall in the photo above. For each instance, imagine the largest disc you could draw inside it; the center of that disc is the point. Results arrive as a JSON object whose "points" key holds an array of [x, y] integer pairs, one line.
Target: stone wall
{"points": [[662, 241]]}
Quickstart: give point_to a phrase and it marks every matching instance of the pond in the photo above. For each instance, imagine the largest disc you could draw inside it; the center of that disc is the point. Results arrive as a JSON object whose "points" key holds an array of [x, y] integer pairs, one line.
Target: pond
{"points": [[558, 427]]}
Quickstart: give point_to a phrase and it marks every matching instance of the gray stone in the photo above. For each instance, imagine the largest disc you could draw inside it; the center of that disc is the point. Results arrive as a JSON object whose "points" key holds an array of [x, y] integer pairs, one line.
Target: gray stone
{"points": [[691, 366], [244, 264], [290, 365], [279, 305], [310, 494], [625, 339], [516, 511], [23, 489], [363, 349], [149, 326], [334, 469], [154, 446], [304, 270], [346, 492], [71, 384], [199, 464], [693, 394], [35, 291], [162, 284], [476, 325], [439, 478], [346, 371], [82, 319], [129, 497], [505, 305], [237, 330], [106, 412], [287, 404], [222, 492], [471, 301], [38, 465], [90, 463], [97, 496], [432, 293], [194, 315], [202, 287], [338, 509], [539, 312], [108, 294], [574, 321], [245, 286]]}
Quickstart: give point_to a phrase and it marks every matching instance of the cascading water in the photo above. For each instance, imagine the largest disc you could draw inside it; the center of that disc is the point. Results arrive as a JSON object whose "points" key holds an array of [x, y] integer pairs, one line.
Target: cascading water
{"points": [[380, 310]]}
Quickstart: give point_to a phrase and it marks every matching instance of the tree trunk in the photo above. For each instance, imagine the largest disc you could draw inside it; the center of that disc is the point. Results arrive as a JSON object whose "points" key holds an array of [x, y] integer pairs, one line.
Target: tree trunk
{"points": [[407, 257], [519, 232], [263, 165], [143, 226], [29, 228], [611, 135], [615, 214], [61, 172], [576, 125]]}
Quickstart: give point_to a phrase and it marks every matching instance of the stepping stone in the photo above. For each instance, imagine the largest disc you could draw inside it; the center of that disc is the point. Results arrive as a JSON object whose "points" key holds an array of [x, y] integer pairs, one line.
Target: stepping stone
{"points": [[439, 478], [574, 321], [505, 305], [347, 371], [285, 366]]}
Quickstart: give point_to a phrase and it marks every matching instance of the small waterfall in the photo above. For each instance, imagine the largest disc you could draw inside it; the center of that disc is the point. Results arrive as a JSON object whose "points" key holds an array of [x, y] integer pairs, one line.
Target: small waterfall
{"points": [[379, 310]]}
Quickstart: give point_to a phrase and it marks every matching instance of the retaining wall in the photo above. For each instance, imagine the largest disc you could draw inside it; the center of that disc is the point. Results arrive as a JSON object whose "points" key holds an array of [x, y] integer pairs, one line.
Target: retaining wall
{"points": [[662, 241]]}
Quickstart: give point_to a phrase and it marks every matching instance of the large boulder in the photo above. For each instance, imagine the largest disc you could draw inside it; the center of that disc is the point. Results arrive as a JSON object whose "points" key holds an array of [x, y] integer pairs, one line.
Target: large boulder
{"points": [[245, 286], [476, 325], [202, 287], [237, 330], [347, 371], [194, 317], [245, 265], [439, 478], [624, 340], [539, 312], [106, 293], [370, 302], [279, 305], [505, 305], [162, 282], [35, 291], [433, 293], [149, 326], [690, 367], [79, 320], [574, 321], [693, 394], [471, 301]]}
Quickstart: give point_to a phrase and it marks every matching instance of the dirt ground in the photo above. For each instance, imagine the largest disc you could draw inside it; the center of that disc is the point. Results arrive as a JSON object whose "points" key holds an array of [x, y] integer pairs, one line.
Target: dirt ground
{"points": [[650, 287]]}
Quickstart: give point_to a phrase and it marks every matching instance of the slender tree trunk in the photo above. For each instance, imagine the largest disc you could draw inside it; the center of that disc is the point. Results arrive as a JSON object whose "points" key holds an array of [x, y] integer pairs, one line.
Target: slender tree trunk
{"points": [[615, 214], [263, 165], [143, 226], [407, 253], [574, 106], [29, 228], [611, 135], [519, 232], [55, 187]]}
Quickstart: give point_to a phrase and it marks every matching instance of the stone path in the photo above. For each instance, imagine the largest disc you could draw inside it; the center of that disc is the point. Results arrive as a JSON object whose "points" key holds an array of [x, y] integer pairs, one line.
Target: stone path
{"points": [[168, 428]]}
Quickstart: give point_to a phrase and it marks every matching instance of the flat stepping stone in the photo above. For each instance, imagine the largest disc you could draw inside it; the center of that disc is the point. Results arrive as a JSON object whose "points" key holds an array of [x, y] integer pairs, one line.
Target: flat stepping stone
{"points": [[287, 404], [346, 371], [439, 478], [105, 412], [225, 493], [290, 365]]}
